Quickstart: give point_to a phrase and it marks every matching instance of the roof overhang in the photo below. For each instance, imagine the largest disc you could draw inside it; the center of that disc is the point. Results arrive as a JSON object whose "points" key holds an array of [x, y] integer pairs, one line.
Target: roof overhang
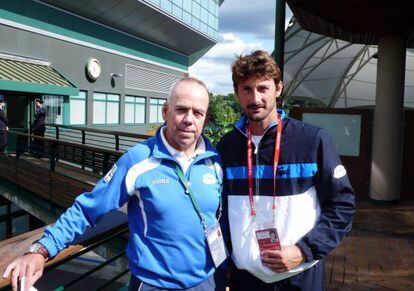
{"points": [[356, 21], [140, 19], [24, 75]]}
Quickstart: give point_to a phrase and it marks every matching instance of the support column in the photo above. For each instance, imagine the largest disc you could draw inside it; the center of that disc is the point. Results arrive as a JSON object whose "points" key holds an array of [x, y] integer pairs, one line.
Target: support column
{"points": [[388, 120], [279, 53]]}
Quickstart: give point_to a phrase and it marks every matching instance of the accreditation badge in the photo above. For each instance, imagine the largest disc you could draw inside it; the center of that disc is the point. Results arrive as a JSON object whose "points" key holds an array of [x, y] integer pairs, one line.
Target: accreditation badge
{"points": [[216, 244], [267, 237]]}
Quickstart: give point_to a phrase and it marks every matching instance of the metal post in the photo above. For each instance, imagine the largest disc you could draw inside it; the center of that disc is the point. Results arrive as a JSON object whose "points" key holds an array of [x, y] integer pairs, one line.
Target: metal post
{"points": [[52, 155], [83, 150], [18, 146], [116, 142], [105, 164], [279, 52]]}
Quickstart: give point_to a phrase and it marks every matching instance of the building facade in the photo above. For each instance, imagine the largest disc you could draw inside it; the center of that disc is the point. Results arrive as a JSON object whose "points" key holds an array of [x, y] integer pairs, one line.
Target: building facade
{"points": [[106, 64]]}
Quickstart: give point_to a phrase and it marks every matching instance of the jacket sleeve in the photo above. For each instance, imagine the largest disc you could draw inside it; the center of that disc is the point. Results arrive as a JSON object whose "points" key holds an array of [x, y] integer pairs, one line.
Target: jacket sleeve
{"points": [[109, 193], [337, 201]]}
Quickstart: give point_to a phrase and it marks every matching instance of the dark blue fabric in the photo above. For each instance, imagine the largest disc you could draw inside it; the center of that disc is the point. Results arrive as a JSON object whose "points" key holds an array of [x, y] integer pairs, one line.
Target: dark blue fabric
{"points": [[312, 279], [217, 282], [3, 132]]}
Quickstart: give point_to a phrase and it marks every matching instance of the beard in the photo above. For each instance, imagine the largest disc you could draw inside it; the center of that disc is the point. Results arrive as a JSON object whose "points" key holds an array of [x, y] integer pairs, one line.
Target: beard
{"points": [[260, 116]]}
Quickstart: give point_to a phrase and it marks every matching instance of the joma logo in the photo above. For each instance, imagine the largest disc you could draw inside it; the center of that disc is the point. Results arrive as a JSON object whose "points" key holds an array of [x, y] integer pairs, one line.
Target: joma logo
{"points": [[160, 181]]}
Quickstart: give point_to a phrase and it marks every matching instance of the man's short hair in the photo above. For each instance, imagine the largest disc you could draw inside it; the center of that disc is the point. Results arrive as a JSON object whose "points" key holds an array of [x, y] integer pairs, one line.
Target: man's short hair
{"points": [[258, 64], [39, 100], [187, 79]]}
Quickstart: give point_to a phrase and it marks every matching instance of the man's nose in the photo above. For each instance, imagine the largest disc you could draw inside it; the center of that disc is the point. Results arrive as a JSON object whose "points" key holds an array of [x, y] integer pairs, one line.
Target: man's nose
{"points": [[256, 98], [189, 117]]}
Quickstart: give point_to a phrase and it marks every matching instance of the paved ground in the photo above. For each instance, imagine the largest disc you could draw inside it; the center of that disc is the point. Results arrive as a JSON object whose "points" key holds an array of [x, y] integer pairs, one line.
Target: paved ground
{"points": [[379, 252]]}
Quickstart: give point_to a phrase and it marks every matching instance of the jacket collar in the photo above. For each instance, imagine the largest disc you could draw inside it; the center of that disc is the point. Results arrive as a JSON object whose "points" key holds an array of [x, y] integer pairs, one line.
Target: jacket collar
{"points": [[161, 152]]}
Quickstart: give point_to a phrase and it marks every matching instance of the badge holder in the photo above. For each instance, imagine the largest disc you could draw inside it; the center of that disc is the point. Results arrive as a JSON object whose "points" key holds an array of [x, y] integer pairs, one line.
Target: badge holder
{"points": [[216, 244], [267, 237]]}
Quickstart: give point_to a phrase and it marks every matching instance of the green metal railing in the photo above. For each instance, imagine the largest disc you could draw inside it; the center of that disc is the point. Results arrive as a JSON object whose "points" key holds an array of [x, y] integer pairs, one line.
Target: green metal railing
{"points": [[111, 140], [89, 158]]}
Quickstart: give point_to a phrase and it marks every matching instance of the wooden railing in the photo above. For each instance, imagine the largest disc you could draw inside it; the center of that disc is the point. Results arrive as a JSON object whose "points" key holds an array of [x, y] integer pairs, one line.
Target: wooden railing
{"points": [[51, 169], [111, 226]]}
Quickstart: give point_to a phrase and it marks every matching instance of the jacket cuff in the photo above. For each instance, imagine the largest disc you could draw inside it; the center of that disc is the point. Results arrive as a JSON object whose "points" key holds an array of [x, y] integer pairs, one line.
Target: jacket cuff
{"points": [[49, 246], [307, 252]]}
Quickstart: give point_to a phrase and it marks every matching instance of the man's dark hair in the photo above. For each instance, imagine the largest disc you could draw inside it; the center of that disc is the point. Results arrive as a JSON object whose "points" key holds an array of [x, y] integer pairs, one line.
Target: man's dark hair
{"points": [[39, 100], [257, 64]]}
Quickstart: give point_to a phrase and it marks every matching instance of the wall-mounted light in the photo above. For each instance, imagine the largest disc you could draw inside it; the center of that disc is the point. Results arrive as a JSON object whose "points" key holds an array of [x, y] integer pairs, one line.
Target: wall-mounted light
{"points": [[113, 76]]}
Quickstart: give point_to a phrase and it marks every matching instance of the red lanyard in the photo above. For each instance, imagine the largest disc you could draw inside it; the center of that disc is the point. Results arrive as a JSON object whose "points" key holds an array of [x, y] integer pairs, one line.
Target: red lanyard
{"points": [[250, 165]]}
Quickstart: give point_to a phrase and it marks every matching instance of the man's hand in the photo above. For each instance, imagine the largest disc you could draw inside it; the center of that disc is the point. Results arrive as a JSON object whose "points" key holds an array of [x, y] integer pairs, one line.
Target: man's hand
{"points": [[30, 266], [283, 260]]}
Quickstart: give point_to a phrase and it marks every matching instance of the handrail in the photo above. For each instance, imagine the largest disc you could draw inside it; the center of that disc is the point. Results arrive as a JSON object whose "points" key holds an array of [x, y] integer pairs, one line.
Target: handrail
{"points": [[96, 159], [110, 132], [56, 151], [94, 237], [62, 142], [117, 140]]}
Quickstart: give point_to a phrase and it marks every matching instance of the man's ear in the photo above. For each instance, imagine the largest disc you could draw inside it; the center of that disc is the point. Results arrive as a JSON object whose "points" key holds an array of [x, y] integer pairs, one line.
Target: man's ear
{"points": [[165, 111], [279, 88], [207, 119]]}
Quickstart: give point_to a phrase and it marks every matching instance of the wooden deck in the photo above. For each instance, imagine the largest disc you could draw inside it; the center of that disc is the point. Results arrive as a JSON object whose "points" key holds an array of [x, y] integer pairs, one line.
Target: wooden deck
{"points": [[60, 187], [379, 252]]}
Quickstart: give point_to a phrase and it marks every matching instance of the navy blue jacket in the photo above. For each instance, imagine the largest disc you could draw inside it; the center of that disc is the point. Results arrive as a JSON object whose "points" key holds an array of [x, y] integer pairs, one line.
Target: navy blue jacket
{"points": [[315, 201], [3, 120], [39, 119]]}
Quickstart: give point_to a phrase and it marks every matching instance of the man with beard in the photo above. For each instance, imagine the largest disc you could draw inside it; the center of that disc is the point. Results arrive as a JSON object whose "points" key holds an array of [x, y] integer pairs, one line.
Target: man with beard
{"points": [[282, 178]]}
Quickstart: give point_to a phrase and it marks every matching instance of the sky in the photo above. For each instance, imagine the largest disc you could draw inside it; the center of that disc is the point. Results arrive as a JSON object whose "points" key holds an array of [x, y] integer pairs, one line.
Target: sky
{"points": [[244, 26]]}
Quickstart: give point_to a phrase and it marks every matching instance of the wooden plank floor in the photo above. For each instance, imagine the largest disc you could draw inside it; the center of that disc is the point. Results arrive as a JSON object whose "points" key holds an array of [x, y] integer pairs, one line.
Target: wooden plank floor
{"points": [[378, 254]]}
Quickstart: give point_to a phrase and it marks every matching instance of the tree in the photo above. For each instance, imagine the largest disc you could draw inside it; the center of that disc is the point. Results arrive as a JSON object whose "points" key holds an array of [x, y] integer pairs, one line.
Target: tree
{"points": [[224, 111]]}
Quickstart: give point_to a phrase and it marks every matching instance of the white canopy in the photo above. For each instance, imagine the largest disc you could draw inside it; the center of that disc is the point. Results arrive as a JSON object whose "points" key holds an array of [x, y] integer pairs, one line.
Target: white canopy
{"points": [[334, 72]]}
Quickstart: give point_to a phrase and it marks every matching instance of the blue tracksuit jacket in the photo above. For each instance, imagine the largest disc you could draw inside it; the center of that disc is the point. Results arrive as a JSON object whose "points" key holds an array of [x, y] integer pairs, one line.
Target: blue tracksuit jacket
{"points": [[167, 246]]}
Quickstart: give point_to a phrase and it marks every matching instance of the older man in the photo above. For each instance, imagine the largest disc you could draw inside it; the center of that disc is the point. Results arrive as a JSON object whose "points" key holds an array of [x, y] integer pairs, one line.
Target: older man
{"points": [[289, 198], [172, 185]]}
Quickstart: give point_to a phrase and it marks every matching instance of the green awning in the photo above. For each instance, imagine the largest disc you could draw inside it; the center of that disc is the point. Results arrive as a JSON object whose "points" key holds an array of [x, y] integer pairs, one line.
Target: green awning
{"points": [[21, 75]]}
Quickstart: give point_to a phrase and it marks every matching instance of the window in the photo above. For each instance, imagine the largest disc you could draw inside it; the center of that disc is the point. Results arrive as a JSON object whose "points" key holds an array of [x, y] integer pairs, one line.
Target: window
{"points": [[156, 110], [105, 108], [77, 105], [134, 110], [54, 108], [345, 130]]}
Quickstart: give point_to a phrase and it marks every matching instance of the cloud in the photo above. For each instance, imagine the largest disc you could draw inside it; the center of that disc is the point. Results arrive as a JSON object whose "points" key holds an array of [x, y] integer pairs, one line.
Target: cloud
{"points": [[244, 26], [214, 67], [250, 17]]}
